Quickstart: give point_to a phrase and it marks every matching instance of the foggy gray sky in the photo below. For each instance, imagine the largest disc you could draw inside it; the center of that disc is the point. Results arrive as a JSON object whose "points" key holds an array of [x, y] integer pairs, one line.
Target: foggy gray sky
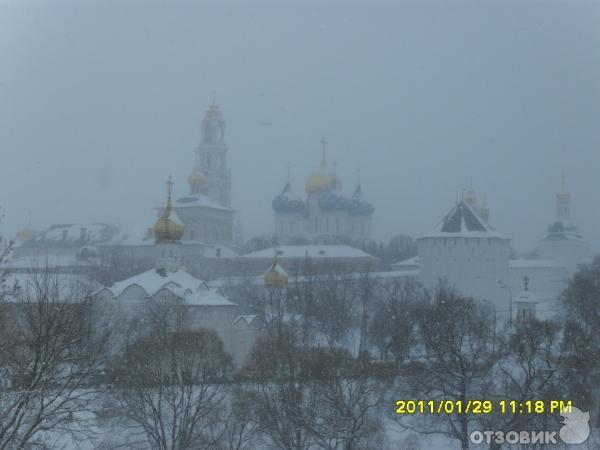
{"points": [[100, 102]]}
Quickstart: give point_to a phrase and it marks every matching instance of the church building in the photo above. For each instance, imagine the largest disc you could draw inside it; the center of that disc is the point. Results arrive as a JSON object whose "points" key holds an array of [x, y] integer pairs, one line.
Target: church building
{"points": [[205, 211], [170, 293], [326, 215], [564, 242]]}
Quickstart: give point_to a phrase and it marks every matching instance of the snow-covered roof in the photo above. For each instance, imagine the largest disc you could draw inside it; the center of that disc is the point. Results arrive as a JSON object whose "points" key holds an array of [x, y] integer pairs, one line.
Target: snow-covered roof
{"points": [[463, 221], [152, 281], [74, 233], [533, 263], [248, 318], [207, 297], [225, 282], [409, 262], [51, 262], [211, 251], [525, 297], [313, 251], [136, 234], [193, 291], [198, 200]]}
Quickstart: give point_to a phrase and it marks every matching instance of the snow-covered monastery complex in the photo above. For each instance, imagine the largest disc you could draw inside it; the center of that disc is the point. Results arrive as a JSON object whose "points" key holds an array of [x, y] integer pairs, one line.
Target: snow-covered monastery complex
{"points": [[464, 249]]}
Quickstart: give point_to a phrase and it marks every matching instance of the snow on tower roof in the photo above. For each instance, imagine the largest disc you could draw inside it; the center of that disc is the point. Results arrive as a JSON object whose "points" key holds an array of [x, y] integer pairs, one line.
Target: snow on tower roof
{"points": [[463, 221]]}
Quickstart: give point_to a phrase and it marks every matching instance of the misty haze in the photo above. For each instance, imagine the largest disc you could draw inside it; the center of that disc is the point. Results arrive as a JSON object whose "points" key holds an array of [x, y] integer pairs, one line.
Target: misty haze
{"points": [[299, 225]]}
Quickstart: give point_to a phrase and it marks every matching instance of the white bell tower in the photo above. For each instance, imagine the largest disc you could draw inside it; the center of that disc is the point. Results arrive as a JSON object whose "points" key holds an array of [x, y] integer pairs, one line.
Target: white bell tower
{"points": [[211, 157]]}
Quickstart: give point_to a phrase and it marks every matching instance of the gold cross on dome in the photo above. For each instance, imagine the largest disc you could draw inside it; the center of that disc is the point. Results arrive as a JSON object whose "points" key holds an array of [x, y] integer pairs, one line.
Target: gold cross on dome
{"points": [[169, 184]]}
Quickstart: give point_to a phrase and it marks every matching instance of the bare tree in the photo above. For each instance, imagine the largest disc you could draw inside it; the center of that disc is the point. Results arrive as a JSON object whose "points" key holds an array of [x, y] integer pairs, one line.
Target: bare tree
{"points": [[283, 393], [170, 386], [581, 337], [455, 335], [350, 402], [392, 324], [237, 427], [528, 368], [49, 355]]}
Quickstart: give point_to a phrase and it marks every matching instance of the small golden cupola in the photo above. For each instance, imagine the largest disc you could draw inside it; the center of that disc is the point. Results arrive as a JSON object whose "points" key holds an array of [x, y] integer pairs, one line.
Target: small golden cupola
{"points": [[167, 228], [196, 181], [25, 234], [276, 276], [319, 180], [471, 198]]}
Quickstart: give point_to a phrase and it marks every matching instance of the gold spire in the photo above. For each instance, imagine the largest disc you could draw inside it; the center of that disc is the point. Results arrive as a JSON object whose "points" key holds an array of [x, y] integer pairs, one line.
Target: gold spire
{"points": [[213, 109], [319, 180], [324, 152], [471, 197], [169, 184], [165, 229]]}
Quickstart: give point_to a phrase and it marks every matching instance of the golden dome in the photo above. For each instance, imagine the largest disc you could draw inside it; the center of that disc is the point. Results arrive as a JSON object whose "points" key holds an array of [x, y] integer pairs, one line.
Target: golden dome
{"points": [[276, 277], [167, 230], [471, 198], [317, 182], [25, 234], [213, 111], [196, 178]]}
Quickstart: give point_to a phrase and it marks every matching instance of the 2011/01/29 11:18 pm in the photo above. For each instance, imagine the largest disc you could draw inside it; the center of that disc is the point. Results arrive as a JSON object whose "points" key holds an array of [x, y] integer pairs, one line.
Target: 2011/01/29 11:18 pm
{"points": [[482, 406]]}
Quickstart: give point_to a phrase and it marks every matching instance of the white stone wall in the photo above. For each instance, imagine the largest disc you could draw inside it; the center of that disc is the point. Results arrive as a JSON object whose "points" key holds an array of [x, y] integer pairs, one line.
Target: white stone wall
{"points": [[569, 252], [474, 266], [128, 310], [290, 225], [245, 336]]}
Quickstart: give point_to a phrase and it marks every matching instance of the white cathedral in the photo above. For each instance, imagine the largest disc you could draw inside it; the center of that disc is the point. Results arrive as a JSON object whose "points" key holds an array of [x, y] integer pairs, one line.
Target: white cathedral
{"points": [[326, 215]]}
